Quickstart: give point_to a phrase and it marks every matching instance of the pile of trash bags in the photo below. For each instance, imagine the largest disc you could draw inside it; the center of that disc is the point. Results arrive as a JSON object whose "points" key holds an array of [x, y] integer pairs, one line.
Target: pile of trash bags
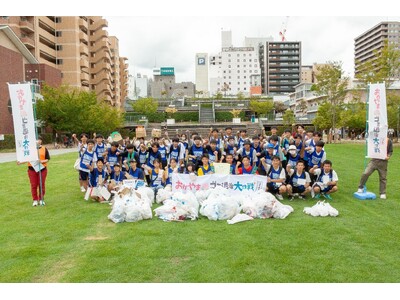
{"points": [[321, 209]]}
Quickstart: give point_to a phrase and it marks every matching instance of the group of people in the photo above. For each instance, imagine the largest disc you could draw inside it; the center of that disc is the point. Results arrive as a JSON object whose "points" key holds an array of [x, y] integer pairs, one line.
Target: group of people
{"points": [[293, 163]]}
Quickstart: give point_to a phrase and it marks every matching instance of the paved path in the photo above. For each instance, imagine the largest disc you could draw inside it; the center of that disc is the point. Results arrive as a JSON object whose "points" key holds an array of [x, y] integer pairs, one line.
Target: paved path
{"points": [[7, 157]]}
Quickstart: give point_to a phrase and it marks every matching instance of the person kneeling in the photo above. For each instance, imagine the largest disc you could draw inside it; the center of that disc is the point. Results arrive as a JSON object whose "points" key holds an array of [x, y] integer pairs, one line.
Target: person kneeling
{"points": [[326, 182], [299, 182], [276, 176]]}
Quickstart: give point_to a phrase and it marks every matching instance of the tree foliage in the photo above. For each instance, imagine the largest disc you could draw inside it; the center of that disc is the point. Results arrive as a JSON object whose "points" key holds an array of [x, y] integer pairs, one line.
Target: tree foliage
{"points": [[279, 107], [67, 109], [288, 117], [261, 107], [332, 84], [323, 119], [145, 105]]}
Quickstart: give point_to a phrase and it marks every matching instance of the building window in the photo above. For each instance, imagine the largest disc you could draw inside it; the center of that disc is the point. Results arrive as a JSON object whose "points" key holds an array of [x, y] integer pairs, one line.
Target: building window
{"points": [[59, 47], [59, 62], [229, 55], [238, 77], [57, 20], [238, 66], [255, 60], [58, 33]]}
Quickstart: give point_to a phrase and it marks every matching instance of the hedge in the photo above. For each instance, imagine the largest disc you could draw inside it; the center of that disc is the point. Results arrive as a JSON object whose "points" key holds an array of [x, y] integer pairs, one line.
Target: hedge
{"points": [[9, 140], [186, 116], [226, 116]]}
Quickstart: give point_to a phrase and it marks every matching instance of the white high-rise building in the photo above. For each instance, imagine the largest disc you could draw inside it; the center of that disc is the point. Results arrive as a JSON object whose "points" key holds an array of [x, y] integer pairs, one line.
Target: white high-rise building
{"points": [[226, 39], [202, 64]]}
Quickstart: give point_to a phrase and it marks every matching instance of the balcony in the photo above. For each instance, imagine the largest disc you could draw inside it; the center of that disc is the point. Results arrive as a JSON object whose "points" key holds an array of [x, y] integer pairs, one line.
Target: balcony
{"points": [[83, 24], [84, 63], [83, 37], [84, 77], [98, 35], [99, 24], [83, 49], [28, 42], [26, 26]]}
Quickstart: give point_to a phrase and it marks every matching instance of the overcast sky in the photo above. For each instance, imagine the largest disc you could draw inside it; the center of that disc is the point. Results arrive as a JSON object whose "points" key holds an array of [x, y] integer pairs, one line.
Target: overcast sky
{"points": [[170, 32], [174, 41]]}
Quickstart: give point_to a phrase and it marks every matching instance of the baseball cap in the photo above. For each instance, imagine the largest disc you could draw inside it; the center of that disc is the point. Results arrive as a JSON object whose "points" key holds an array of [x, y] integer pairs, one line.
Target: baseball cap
{"points": [[292, 147], [270, 145]]}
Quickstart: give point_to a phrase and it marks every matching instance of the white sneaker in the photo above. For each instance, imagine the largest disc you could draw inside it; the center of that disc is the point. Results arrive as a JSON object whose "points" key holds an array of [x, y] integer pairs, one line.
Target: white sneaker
{"points": [[83, 189], [42, 203], [360, 191], [35, 203], [383, 196], [279, 197]]}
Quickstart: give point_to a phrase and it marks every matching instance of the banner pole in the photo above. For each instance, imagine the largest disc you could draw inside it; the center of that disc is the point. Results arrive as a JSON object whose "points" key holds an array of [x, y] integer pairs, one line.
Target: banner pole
{"points": [[366, 135], [37, 137]]}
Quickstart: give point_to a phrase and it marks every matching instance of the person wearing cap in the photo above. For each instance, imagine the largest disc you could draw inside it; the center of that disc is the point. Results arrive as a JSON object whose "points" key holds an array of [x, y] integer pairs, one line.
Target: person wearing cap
{"points": [[38, 174], [247, 150], [292, 158]]}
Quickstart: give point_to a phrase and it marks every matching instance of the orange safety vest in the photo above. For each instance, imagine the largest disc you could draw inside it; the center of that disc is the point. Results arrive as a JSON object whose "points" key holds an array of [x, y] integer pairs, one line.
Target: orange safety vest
{"points": [[42, 155]]}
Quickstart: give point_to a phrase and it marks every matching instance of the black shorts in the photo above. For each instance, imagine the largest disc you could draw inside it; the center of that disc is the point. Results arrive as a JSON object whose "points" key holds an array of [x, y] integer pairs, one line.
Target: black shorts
{"points": [[298, 189], [83, 175]]}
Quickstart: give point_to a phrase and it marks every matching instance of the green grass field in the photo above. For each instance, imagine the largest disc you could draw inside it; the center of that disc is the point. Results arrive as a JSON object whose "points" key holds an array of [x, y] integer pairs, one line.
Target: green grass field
{"points": [[72, 240]]}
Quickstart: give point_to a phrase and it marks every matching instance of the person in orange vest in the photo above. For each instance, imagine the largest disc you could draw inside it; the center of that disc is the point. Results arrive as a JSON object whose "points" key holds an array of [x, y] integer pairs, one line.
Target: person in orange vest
{"points": [[37, 174]]}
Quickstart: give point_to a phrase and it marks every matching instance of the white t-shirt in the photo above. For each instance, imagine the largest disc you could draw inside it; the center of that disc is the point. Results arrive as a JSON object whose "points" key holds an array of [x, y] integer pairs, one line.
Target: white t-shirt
{"points": [[325, 176], [300, 181]]}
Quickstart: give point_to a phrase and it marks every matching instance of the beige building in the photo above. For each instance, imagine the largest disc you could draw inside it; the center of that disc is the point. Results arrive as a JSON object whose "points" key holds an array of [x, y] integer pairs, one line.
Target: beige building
{"points": [[308, 73], [366, 44], [78, 46]]}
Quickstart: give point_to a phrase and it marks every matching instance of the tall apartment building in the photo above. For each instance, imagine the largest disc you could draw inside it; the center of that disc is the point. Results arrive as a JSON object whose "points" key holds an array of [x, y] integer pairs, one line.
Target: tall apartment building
{"points": [[308, 73], [280, 67], [366, 44], [79, 47]]}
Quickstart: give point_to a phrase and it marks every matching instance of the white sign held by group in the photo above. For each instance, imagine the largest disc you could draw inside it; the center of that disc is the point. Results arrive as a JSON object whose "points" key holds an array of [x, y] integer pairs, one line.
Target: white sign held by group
{"points": [[233, 183], [377, 122], [24, 122]]}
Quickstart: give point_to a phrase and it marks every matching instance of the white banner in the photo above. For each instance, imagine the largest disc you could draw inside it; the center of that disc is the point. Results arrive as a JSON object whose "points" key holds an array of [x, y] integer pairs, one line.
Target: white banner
{"points": [[24, 122], [233, 183], [377, 121]]}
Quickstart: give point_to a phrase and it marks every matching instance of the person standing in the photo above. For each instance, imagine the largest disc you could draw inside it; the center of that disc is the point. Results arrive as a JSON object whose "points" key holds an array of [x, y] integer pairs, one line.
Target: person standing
{"points": [[381, 166], [37, 172]]}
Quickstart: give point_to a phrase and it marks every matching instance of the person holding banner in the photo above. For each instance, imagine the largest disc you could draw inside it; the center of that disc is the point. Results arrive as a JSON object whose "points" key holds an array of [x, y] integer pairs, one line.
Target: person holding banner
{"points": [[379, 165], [37, 172]]}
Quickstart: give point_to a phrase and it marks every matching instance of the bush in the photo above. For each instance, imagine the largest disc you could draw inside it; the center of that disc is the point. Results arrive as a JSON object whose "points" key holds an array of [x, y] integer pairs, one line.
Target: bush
{"points": [[8, 143], [186, 116], [222, 116]]}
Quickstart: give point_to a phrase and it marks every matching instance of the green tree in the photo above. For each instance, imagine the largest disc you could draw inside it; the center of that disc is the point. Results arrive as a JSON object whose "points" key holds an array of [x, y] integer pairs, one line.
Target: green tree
{"points": [[219, 96], [67, 109], [279, 107], [261, 107], [240, 96], [288, 117], [323, 119], [353, 115], [332, 85], [145, 106]]}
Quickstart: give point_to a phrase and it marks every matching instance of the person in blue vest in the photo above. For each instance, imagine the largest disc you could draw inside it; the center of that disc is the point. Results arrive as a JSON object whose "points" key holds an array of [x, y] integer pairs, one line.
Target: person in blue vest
{"points": [[214, 153], [276, 177], [242, 138], [88, 157], [143, 155], [326, 182], [298, 142], [156, 176], [214, 136], [299, 182], [134, 172], [247, 150], [292, 158], [205, 168], [196, 151], [163, 149], [317, 157], [266, 156], [309, 147], [115, 178], [97, 179], [230, 146], [100, 146], [246, 167], [256, 145], [112, 155], [153, 154], [177, 151], [169, 170]]}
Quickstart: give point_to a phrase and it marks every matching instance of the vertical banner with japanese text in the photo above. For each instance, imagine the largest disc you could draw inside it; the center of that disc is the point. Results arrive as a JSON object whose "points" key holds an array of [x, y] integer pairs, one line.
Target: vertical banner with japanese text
{"points": [[24, 122], [377, 121], [232, 183]]}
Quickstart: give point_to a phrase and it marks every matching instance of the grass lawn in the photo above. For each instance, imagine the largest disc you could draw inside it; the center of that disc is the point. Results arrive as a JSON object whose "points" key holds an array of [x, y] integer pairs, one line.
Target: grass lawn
{"points": [[72, 240]]}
